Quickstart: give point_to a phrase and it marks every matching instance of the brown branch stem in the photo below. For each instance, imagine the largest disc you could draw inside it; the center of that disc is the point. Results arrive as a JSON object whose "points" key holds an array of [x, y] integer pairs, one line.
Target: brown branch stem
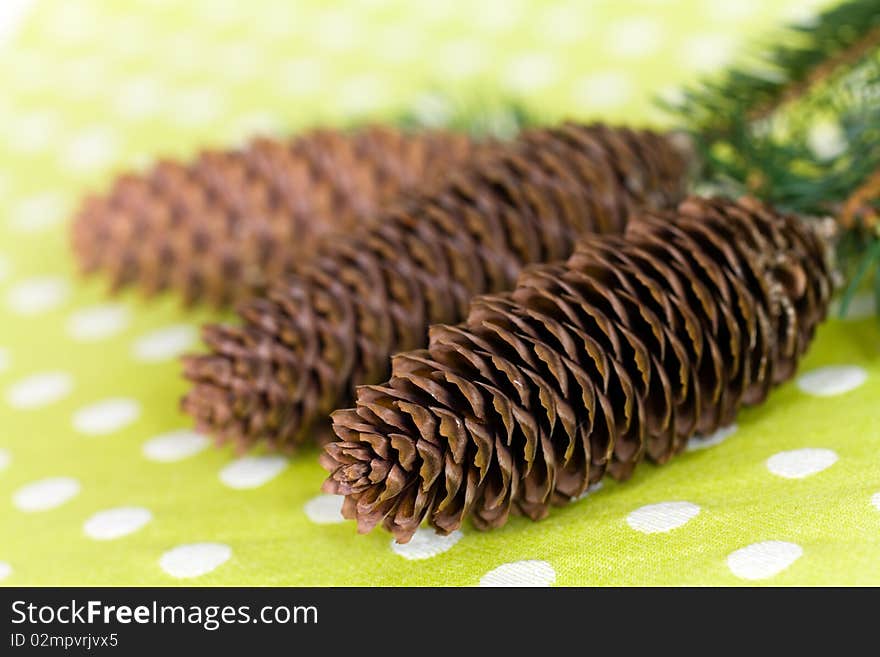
{"points": [[859, 206]]}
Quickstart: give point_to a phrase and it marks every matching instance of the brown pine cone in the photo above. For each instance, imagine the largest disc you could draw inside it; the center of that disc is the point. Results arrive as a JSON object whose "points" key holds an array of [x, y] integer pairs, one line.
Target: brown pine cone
{"points": [[370, 293], [623, 352], [218, 228]]}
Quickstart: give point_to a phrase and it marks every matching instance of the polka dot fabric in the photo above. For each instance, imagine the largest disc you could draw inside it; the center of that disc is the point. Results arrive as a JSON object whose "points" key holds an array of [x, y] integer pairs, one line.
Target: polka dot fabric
{"points": [[103, 482]]}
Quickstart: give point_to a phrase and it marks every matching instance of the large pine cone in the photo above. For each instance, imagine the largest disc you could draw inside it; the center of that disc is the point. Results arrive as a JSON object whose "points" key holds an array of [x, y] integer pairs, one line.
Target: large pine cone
{"points": [[365, 295], [624, 352], [218, 228]]}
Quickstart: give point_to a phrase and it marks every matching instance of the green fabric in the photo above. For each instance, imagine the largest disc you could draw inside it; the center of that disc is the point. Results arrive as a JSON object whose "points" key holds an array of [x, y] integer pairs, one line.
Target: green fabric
{"points": [[89, 87]]}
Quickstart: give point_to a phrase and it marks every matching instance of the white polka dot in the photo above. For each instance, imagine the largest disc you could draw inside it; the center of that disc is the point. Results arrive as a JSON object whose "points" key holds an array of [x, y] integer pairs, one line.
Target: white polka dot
{"points": [[139, 161], [195, 559], [138, 98], [431, 12], [803, 13], [4, 359], [276, 21], [6, 108], [97, 322], [45, 494], [129, 36], [592, 489], [39, 390], [671, 95], [325, 509], [336, 30], [764, 559], [81, 79], [193, 107], [800, 463], [832, 380], [634, 37], [5, 458], [875, 500], [496, 15], [461, 59], [28, 69], [32, 132], [425, 543], [238, 62], [12, 14], [175, 446], [249, 126], [397, 43], [219, 12], [300, 77], [728, 12], [603, 90], [37, 295], [37, 213], [166, 343], [563, 24], [106, 416], [862, 306], [92, 149], [72, 24], [116, 523], [432, 109], [362, 93], [180, 50], [662, 517], [826, 140], [706, 52], [531, 71], [520, 573], [702, 442], [5, 570], [252, 471]]}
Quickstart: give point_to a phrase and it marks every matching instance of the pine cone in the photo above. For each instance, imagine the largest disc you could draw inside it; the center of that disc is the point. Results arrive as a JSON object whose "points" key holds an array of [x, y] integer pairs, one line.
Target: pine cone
{"points": [[218, 228], [623, 352], [365, 295]]}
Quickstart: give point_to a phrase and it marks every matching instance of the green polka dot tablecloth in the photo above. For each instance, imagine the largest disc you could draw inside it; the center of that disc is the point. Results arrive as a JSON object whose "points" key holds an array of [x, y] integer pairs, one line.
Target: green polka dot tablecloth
{"points": [[102, 481]]}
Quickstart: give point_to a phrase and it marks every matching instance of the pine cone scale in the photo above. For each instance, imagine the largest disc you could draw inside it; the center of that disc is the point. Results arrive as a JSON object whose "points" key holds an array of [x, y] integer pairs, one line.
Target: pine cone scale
{"points": [[587, 369], [374, 291], [220, 227]]}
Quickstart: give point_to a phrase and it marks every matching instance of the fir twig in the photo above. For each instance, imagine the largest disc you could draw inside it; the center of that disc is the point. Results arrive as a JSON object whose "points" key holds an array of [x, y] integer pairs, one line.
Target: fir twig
{"points": [[793, 62], [848, 55], [759, 127], [860, 206]]}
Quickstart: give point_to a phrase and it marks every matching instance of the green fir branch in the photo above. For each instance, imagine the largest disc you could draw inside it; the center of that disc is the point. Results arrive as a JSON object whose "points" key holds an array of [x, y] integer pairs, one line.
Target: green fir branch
{"points": [[798, 125], [784, 68]]}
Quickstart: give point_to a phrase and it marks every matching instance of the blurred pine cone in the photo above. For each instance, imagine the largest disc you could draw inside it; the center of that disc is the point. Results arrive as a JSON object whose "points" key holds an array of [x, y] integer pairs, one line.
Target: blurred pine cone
{"points": [[362, 296], [624, 352], [219, 227]]}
